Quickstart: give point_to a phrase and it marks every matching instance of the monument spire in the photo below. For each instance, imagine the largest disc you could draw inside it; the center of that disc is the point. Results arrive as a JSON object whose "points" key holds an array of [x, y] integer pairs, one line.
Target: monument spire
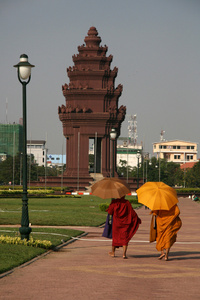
{"points": [[91, 107]]}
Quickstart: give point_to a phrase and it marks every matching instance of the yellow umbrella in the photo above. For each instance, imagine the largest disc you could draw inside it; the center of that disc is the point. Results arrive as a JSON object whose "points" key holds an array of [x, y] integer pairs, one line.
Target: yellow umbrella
{"points": [[110, 188], [157, 195]]}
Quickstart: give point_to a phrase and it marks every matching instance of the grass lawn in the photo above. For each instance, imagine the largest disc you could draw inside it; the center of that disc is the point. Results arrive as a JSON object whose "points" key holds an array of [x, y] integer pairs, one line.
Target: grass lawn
{"points": [[83, 211], [12, 256], [80, 211]]}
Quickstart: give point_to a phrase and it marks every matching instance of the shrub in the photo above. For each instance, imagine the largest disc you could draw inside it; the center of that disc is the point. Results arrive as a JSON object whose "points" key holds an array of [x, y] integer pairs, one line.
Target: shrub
{"points": [[103, 206], [33, 243], [188, 190]]}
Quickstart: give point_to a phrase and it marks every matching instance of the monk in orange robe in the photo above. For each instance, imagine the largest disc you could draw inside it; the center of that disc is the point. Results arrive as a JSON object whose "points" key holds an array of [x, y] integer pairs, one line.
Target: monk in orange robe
{"points": [[125, 224], [167, 225]]}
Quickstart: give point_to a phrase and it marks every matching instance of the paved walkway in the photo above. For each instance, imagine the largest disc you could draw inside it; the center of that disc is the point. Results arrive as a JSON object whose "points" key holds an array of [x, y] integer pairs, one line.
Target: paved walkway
{"points": [[83, 270]]}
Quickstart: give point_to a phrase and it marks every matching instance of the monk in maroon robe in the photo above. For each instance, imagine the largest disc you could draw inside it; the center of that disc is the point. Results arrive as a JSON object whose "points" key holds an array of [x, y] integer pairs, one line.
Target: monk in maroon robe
{"points": [[125, 224]]}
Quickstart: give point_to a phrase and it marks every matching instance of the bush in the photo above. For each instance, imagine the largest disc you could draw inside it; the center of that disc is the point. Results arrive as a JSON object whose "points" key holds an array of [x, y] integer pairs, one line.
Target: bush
{"points": [[33, 243], [188, 190], [103, 206]]}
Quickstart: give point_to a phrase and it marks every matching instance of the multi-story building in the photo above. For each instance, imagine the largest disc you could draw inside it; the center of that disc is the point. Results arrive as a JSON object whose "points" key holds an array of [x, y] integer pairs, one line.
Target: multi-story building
{"points": [[129, 153], [38, 150], [176, 151]]}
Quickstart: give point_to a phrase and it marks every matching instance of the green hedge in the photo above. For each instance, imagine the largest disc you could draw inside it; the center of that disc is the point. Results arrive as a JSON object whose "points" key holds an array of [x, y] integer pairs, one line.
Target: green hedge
{"points": [[18, 241], [32, 188], [188, 190], [19, 192], [103, 206]]}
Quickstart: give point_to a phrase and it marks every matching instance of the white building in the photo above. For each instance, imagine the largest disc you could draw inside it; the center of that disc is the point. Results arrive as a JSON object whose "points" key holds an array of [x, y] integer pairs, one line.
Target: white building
{"points": [[176, 151], [38, 149], [129, 153]]}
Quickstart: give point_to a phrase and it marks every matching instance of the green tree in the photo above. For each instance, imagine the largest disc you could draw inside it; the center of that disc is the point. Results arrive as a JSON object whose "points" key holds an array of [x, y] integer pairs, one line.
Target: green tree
{"points": [[152, 170], [123, 168], [196, 173], [170, 172], [33, 170], [6, 173], [192, 176]]}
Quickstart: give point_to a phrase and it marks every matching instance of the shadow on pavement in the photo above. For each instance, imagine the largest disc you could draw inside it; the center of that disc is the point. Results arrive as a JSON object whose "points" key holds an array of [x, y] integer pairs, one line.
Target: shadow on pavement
{"points": [[173, 255]]}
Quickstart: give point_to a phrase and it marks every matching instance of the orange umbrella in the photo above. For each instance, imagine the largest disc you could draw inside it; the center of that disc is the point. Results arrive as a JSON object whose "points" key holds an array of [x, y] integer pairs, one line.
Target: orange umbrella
{"points": [[110, 188], [157, 195]]}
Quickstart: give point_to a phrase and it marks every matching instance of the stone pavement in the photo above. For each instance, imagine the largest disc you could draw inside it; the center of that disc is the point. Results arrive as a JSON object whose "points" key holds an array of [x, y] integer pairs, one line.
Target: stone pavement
{"points": [[84, 270]]}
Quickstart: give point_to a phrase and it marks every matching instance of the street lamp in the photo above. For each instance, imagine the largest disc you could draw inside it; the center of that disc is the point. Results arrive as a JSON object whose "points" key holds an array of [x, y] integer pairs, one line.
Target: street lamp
{"points": [[113, 135], [148, 162], [24, 76], [138, 158]]}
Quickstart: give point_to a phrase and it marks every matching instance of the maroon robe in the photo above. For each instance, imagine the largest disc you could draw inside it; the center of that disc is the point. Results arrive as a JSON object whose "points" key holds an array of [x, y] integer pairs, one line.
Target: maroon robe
{"points": [[125, 221]]}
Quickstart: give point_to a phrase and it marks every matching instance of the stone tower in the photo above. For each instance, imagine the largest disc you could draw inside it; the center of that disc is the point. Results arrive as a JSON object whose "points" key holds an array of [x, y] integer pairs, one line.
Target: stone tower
{"points": [[91, 109]]}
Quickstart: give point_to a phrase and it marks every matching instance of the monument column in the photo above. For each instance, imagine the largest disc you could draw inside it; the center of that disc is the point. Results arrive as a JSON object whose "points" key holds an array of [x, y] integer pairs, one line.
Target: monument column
{"points": [[91, 106]]}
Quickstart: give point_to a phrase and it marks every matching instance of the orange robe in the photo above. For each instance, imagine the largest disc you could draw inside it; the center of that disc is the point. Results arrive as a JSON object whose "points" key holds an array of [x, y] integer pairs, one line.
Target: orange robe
{"points": [[125, 221], [168, 224]]}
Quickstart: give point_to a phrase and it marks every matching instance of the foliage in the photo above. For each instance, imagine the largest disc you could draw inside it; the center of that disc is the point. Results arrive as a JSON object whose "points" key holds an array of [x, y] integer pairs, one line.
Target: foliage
{"points": [[91, 159], [192, 176], [103, 206], [12, 168], [168, 172], [123, 169], [54, 235], [12, 255], [132, 199], [18, 241], [19, 192], [189, 190]]}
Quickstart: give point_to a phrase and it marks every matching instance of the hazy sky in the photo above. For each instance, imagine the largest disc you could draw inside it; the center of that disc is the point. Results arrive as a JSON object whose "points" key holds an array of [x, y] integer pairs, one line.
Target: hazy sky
{"points": [[155, 45]]}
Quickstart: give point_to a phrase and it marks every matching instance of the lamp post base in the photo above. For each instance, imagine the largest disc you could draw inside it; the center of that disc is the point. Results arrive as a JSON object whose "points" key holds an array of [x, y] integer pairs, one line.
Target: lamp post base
{"points": [[25, 231]]}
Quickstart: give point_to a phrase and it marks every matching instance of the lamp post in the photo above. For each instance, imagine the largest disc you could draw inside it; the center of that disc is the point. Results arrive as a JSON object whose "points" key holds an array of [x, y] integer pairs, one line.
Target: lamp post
{"points": [[138, 158], [24, 76], [159, 168], [113, 135], [148, 163]]}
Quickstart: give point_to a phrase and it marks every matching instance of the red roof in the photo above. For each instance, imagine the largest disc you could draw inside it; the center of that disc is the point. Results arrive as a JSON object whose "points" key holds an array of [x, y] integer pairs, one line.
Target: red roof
{"points": [[188, 165]]}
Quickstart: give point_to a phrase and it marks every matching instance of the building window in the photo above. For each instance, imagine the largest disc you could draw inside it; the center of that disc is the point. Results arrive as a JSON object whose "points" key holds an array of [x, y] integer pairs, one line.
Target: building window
{"points": [[189, 157], [178, 147], [174, 147], [192, 147], [177, 156], [160, 146]]}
